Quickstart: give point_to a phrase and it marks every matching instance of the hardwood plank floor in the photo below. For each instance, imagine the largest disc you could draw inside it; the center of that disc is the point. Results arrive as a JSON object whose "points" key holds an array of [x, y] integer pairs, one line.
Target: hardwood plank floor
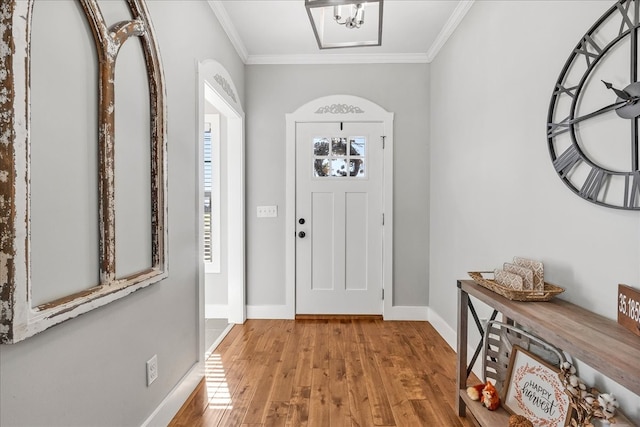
{"points": [[327, 373]]}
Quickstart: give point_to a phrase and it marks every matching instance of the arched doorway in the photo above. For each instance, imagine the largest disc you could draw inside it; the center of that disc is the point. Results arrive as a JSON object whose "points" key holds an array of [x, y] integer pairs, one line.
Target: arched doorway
{"points": [[220, 112]]}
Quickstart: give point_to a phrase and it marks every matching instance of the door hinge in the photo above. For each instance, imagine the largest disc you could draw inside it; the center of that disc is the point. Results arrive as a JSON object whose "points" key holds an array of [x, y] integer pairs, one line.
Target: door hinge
{"points": [[382, 293], [382, 219], [383, 141]]}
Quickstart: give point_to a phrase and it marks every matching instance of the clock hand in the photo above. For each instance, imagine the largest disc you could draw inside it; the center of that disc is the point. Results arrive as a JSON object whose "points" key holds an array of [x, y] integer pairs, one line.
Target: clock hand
{"points": [[622, 94], [613, 106]]}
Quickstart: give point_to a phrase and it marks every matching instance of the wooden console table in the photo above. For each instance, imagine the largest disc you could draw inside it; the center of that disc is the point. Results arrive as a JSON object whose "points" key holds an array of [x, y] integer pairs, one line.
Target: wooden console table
{"points": [[595, 340]]}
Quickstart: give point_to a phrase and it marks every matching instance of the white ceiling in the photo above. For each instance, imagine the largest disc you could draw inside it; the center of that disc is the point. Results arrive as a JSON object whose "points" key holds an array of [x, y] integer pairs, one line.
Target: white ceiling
{"points": [[279, 31]]}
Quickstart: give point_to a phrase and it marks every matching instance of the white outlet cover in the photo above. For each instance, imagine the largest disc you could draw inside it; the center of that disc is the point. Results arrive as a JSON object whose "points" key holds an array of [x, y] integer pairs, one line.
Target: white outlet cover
{"points": [[152, 369]]}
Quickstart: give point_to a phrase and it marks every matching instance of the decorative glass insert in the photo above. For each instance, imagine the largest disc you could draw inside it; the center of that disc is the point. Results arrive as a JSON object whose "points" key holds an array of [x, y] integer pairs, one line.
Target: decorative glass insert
{"points": [[339, 156]]}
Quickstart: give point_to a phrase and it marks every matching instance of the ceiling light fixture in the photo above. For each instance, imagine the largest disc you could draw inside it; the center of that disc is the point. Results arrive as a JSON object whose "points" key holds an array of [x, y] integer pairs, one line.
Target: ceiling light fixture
{"points": [[355, 18], [349, 15]]}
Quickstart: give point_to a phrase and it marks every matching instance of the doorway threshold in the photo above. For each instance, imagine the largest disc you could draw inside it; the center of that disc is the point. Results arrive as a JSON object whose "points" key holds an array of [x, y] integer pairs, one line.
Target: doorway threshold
{"points": [[339, 317]]}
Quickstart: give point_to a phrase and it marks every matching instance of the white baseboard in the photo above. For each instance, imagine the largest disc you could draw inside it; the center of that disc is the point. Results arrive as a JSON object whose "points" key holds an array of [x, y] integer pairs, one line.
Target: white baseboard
{"points": [[269, 312], [450, 335], [171, 404], [284, 312], [406, 312], [216, 311]]}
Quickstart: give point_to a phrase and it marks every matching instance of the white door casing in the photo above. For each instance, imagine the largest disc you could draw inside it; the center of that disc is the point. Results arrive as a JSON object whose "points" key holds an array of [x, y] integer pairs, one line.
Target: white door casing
{"points": [[214, 85], [349, 110], [339, 218]]}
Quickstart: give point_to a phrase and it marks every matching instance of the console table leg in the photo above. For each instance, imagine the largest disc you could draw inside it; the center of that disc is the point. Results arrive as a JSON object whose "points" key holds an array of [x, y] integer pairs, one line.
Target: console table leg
{"points": [[461, 365]]}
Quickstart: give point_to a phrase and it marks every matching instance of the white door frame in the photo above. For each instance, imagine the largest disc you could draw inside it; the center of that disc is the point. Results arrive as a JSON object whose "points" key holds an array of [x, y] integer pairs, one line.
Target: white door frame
{"points": [[222, 94], [338, 108]]}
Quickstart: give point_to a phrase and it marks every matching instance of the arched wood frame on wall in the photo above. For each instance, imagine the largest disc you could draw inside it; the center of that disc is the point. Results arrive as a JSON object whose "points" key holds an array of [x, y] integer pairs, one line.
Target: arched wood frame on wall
{"points": [[18, 318]]}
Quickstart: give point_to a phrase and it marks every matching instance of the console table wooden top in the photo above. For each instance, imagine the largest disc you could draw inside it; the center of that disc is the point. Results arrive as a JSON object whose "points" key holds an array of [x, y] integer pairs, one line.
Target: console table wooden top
{"points": [[595, 340]]}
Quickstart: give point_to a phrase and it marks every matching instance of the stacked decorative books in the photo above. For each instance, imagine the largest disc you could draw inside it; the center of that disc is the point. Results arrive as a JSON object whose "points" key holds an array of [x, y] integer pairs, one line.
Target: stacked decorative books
{"points": [[521, 275]]}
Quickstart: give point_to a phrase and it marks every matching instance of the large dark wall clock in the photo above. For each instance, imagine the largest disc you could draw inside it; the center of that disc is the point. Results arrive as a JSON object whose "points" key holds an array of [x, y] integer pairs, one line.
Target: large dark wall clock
{"points": [[592, 124]]}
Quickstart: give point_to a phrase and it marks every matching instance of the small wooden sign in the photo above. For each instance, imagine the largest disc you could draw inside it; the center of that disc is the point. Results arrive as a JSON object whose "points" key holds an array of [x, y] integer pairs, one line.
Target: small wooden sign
{"points": [[629, 308], [534, 389]]}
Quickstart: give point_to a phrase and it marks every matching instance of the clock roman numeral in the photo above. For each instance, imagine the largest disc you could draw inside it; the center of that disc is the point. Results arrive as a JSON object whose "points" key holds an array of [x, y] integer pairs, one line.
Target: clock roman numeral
{"points": [[555, 129], [632, 190], [626, 23], [567, 160], [586, 48], [571, 91], [593, 184]]}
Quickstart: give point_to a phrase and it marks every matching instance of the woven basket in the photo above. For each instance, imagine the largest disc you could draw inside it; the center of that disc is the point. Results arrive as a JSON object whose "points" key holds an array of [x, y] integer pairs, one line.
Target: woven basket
{"points": [[549, 290]]}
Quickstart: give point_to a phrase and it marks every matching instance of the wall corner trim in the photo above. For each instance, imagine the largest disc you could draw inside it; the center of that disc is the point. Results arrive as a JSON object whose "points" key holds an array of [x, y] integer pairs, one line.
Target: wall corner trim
{"points": [[449, 27], [227, 25], [450, 335]]}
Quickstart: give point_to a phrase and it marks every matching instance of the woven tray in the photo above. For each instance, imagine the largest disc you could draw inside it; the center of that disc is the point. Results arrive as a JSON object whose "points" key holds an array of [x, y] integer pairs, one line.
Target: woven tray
{"points": [[549, 290]]}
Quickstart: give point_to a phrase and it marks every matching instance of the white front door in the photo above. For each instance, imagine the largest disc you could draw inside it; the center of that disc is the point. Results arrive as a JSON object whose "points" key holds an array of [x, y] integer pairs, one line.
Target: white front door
{"points": [[339, 218]]}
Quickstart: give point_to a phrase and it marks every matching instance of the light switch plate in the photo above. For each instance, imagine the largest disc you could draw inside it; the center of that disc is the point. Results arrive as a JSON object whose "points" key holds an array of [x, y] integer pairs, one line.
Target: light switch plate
{"points": [[267, 211]]}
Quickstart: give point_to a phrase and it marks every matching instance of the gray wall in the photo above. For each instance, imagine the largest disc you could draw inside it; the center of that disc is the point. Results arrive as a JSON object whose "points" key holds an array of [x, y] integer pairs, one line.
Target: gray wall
{"points": [[279, 89], [91, 370], [494, 191]]}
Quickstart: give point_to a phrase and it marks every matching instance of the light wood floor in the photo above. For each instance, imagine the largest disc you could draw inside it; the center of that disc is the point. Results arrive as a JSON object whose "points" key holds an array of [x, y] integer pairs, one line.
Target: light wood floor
{"points": [[338, 372]]}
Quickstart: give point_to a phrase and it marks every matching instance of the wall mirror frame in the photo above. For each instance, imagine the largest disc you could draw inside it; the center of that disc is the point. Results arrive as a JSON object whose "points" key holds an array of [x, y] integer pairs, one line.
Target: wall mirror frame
{"points": [[19, 317]]}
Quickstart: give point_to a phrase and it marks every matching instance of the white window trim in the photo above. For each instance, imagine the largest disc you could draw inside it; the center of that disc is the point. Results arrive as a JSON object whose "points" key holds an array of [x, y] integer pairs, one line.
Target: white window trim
{"points": [[213, 267]]}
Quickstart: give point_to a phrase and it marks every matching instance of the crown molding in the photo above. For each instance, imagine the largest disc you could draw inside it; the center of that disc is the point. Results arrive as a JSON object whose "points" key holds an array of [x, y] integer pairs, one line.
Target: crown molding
{"points": [[383, 58], [229, 28], [452, 23], [338, 58]]}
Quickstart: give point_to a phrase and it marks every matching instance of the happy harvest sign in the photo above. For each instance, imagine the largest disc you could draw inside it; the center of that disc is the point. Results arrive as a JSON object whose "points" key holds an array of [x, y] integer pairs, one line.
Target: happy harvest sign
{"points": [[535, 391]]}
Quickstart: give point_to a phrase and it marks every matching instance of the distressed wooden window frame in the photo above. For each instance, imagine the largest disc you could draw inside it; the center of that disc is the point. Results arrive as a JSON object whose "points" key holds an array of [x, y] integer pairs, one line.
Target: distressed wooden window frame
{"points": [[18, 318]]}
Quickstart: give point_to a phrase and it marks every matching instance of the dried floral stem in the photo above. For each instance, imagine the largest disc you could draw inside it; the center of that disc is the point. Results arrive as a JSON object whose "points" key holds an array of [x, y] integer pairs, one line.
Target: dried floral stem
{"points": [[588, 403]]}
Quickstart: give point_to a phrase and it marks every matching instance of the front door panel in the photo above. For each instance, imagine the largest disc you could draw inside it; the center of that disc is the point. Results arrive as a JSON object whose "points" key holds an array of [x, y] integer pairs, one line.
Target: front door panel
{"points": [[339, 177]]}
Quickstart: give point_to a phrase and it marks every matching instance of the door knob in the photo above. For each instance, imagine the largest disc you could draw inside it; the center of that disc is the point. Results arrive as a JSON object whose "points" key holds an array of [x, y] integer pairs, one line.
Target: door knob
{"points": [[302, 234]]}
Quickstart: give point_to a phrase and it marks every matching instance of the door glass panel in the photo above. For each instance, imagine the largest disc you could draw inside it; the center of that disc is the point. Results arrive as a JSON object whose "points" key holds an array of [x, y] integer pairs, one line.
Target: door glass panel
{"points": [[339, 156], [339, 146], [357, 145], [320, 147], [321, 167], [339, 167], [356, 167]]}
